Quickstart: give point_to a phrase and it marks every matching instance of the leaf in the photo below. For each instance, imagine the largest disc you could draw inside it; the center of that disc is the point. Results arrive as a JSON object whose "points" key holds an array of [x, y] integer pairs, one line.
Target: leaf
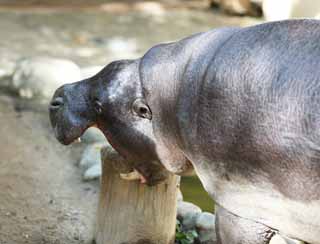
{"points": [[185, 237], [180, 236], [194, 233], [185, 242]]}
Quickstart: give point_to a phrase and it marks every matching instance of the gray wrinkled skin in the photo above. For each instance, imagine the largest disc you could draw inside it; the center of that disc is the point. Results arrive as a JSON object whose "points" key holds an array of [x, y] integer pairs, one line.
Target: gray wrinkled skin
{"points": [[240, 105]]}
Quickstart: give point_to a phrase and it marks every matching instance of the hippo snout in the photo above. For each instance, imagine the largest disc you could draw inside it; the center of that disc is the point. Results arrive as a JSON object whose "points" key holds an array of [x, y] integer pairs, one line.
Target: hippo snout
{"points": [[57, 100], [70, 112]]}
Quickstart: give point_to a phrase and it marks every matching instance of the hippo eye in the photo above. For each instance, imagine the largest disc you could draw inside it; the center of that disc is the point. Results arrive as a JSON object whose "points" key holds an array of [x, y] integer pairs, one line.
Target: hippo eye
{"points": [[97, 106], [141, 109]]}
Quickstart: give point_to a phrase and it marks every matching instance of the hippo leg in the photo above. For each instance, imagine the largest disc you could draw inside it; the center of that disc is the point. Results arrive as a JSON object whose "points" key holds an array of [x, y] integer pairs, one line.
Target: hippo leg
{"points": [[232, 229]]}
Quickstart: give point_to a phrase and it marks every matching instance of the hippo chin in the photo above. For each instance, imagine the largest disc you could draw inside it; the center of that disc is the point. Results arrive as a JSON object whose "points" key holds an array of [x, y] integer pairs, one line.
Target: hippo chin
{"points": [[239, 105]]}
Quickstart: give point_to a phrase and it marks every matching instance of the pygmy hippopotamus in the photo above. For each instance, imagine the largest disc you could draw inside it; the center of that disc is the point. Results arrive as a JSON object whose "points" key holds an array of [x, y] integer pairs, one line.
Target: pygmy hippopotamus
{"points": [[239, 105]]}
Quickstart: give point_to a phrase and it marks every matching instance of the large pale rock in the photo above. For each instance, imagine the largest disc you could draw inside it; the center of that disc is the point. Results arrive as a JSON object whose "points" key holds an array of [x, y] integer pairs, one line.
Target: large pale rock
{"points": [[286, 9], [6, 72], [189, 221], [150, 8], [90, 161], [39, 77], [205, 226], [92, 173], [179, 196], [122, 47], [93, 135], [6, 68], [205, 221], [185, 208], [239, 7]]}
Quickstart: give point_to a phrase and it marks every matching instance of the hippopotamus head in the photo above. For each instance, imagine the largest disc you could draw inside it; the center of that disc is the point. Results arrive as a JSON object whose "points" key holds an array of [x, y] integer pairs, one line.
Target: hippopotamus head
{"points": [[113, 101]]}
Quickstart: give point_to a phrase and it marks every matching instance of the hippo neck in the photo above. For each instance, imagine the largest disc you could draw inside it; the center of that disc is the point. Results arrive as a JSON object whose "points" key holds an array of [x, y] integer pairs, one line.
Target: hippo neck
{"points": [[171, 74]]}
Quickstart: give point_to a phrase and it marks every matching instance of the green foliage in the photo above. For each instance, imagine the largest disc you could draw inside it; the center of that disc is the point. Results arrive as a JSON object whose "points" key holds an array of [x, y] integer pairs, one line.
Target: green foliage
{"points": [[185, 237]]}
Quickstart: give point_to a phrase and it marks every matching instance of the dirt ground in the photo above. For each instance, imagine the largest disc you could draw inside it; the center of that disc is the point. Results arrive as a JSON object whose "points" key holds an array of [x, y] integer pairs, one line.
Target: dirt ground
{"points": [[43, 199], [42, 196]]}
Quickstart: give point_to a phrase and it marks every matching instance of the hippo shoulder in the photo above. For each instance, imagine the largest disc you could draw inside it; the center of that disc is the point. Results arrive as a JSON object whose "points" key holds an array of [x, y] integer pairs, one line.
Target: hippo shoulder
{"points": [[164, 72], [164, 63]]}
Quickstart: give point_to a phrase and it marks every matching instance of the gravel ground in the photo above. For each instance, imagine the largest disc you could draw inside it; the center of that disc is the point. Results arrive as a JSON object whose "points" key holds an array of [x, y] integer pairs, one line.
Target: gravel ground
{"points": [[42, 196]]}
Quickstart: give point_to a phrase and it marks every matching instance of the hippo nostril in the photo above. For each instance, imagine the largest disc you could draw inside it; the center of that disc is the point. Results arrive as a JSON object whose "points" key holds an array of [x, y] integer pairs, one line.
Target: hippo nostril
{"points": [[56, 103]]}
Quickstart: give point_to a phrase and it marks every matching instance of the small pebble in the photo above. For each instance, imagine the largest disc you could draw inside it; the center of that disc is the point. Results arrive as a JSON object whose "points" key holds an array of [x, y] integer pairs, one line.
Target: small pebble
{"points": [[189, 221], [93, 135], [185, 208], [91, 156], [205, 221], [93, 173]]}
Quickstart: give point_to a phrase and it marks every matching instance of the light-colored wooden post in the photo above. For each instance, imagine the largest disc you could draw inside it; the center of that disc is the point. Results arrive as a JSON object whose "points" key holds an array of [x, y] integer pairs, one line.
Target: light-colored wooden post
{"points": [[133, 213]]}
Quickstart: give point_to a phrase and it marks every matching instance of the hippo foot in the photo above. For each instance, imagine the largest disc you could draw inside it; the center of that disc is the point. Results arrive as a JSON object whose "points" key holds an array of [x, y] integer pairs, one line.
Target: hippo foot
{"points": [[233, 229], [150, 172], [134, 175]]}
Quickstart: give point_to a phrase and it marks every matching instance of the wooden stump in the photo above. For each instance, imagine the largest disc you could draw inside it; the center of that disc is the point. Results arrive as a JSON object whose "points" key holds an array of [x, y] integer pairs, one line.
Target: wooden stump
{"points": [[133, 213]]}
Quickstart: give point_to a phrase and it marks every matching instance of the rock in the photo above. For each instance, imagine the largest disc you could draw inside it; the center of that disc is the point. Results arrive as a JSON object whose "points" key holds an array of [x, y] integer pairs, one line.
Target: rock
{"points": [[206, 242], [205, 221], [239, 7], [5, 81], [205, 226], [179, 196], [3, 73], [122, 47], [150, 8], [93, 135], [91, 156], [90, 161], [90, 71], [186, 208], [286, 9], [189, 221], [6, 72], [93, 173], [7, 67], [86, 52], [39, 77]]}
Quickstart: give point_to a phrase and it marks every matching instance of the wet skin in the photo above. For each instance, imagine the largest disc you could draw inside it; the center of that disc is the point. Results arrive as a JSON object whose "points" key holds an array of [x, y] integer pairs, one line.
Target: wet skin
{"points": [[241, 105]]}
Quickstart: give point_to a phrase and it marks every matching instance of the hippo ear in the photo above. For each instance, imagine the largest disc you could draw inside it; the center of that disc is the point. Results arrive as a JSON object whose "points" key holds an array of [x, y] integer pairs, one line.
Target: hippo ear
{"points": [[141, 109]]}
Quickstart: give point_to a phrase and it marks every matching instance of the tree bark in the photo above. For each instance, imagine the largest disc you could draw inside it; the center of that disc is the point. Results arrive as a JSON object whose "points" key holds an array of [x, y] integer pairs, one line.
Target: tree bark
{"points": [[133, 213]]}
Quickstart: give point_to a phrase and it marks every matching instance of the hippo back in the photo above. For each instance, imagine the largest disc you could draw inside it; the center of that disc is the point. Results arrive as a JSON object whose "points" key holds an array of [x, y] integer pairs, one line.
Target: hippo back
{"points": [[243, 106], [255, 126]]}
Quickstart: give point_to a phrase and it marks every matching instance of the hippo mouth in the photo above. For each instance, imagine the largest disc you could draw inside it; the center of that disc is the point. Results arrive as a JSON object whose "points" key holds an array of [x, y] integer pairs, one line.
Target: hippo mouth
{"points": [[69, 129], [66, 133], [72, 136]]}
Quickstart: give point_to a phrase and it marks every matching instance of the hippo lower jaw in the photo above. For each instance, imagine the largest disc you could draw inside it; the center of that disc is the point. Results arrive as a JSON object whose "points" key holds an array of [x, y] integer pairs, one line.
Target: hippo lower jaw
{"points": [[69, 136], [66, 140], [73, 135]]}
